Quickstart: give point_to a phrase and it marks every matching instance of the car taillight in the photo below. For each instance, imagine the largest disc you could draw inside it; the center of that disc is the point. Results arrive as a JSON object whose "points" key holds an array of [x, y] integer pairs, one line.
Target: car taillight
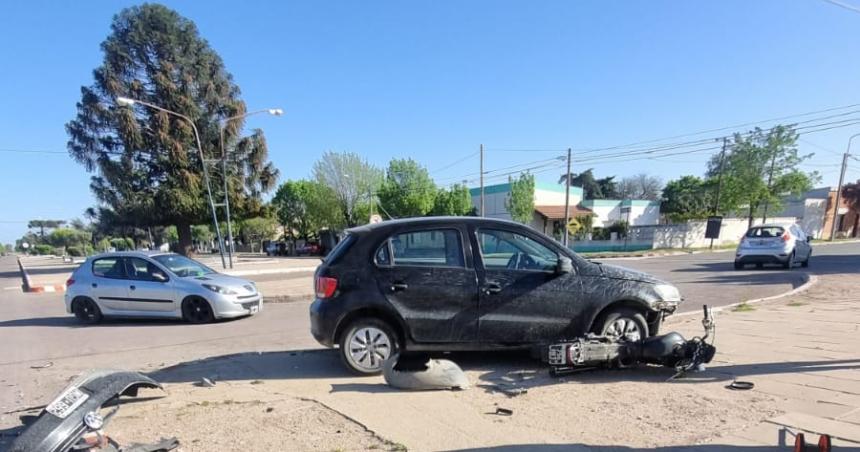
{"points": [[786, 237], [69, 282], [325, 286]]}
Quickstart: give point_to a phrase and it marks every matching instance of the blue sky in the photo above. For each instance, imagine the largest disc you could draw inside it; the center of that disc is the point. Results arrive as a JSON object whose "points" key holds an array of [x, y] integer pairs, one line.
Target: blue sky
{"points": [[432, 80]]}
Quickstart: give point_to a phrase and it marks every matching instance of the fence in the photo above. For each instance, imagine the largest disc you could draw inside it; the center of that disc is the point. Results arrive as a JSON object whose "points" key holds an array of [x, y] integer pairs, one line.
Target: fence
{"points": [[692, 233]]}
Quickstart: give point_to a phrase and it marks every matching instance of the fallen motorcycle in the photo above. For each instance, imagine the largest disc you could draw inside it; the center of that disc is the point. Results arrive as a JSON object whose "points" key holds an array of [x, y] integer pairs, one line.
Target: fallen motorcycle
{"points": [[73, 420], [669, 350]]}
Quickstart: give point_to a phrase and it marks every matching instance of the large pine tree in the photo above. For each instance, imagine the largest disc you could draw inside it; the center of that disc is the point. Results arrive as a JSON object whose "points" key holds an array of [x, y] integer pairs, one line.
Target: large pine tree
{"points": [[147, 167]]}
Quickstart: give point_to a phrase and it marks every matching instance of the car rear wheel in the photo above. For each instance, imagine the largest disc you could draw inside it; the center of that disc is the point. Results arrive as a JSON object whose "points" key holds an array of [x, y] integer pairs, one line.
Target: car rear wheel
{"points": [[366, 344], [197, 310], [87, 311], [805, 263], [739, 266], [790, 262], [622, 323]]}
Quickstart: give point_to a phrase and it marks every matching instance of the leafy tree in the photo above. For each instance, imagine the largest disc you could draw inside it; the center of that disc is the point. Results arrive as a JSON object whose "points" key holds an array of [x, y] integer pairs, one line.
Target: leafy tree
{"points": [[687, 198], [456, 201], [201, 233], [605, 188], [641, 186], [352, 179], [304, 207], [408, 190], [122, 243], [851, 195], [580, 226], [148, 169], [103, 245], [759, 168], [258, 229], [621, 227], [67, 237], [521, 203], [41, 225]]}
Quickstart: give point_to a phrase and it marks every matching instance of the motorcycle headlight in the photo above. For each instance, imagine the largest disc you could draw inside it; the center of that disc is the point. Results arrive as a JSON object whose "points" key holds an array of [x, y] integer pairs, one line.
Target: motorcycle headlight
{"points": [[219, 289], [667, 292]]}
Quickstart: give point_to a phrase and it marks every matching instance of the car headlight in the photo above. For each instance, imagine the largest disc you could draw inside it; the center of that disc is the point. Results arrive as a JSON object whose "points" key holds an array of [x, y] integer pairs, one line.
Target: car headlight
{"points": [[219, 289], [667, 292]]}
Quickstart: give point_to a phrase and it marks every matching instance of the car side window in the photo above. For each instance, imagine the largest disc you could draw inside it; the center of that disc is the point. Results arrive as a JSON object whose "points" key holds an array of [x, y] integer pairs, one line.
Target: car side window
{"points": [[509, 250], [109, 267], [142, 270], [428, 248]]}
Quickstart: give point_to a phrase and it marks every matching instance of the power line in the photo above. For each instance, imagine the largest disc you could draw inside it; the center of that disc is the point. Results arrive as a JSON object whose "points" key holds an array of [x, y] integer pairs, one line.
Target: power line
{"points": [[456, 162], [843, 5], [33, 151]]}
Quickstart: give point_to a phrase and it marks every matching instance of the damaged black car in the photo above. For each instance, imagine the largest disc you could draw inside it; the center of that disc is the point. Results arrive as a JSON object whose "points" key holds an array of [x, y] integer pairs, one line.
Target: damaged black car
{"points": [[468, 283]]}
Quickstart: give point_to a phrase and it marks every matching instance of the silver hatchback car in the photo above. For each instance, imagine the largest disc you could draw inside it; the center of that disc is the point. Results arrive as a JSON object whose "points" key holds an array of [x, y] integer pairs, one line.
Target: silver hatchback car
{"points": [[157, 284], [774, 244]]}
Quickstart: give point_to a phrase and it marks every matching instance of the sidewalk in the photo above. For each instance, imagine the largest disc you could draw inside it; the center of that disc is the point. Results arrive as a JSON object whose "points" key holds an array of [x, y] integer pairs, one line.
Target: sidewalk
{"points": [[799, 351]]}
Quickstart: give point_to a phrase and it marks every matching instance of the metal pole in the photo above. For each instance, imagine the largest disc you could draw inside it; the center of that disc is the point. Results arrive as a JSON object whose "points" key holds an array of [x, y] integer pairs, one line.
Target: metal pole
{"points": [[567, 198], [205, 172], [839, 192], [719, 182], [230, 246], [482, 180]]}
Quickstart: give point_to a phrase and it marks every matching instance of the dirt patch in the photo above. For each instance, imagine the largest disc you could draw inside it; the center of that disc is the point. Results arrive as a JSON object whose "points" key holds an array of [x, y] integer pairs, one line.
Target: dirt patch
{"points": [[230, 419]]}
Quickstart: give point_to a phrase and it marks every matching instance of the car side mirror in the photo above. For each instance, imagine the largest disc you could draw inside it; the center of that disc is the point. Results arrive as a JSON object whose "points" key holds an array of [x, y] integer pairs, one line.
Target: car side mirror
{"points": [[159, 277], [564, 265]]}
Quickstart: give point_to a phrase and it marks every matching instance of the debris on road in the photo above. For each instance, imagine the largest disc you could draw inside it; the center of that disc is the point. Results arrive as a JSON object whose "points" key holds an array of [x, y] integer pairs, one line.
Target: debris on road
{"points": [[738, 385], [206, 383], [43, 366], [503, 412], [422, 373], [73, 419]]}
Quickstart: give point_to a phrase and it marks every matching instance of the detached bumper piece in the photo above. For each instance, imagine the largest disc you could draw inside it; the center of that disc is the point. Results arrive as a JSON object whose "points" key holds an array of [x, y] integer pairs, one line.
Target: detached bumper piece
{"points": [[74, 421], [668, 350]]}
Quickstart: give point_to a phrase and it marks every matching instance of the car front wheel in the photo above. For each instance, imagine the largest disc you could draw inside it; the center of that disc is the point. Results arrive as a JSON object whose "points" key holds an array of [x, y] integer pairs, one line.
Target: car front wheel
{"points": [[622, 323], [197, 310], [366, 344]]}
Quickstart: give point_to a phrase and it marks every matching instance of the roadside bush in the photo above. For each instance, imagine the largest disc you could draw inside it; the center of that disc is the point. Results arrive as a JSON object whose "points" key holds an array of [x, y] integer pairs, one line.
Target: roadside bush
{"points": [[600, 234], [43, 249], [76, 251], [619, 227]]}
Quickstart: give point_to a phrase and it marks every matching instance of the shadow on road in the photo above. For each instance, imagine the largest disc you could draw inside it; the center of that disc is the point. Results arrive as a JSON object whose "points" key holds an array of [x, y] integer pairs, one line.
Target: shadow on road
{"points": [[70, 321], [587, 448]]}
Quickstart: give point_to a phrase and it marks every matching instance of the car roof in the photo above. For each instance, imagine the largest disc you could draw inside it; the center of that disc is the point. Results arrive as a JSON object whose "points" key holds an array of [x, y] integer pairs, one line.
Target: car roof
{"points": [[139, 253], [420, 221], [772, 225]]}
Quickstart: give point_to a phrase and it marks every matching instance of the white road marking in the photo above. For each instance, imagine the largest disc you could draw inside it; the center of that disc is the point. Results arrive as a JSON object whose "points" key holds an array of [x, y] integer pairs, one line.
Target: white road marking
{"points": [[50, 289], [12, 288]]}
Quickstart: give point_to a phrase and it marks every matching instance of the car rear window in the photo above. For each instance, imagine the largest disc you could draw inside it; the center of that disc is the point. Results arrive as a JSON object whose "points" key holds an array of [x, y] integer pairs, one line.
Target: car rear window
{"points": [[766, 232], [339, 249], [428, 248]]}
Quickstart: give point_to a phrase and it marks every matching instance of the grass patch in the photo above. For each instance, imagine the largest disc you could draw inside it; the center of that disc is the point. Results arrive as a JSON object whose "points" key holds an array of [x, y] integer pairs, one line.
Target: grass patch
{"points": [[796, 303], [392, 446], [743, 307]]}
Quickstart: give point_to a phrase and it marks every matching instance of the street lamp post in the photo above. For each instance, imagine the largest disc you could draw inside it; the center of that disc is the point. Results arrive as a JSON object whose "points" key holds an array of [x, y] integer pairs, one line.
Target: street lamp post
{"points": [[839, 187], [125, 101], [231, 249]]}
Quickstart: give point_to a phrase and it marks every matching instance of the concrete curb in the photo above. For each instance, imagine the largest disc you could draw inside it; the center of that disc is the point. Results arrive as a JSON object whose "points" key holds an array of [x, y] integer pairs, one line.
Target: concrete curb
{"points": [[811, 280], [653, 255], [290, 298], [28, 286], [270, 271]]}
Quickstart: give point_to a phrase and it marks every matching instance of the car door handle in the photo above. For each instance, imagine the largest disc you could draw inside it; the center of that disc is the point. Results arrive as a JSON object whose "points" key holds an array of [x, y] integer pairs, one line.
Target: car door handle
{"points": [[492, 288], [95, 285], [132, 287], [396, 287]]}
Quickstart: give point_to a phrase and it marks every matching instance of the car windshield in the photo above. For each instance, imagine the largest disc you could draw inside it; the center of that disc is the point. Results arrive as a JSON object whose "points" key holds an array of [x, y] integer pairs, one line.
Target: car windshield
{"points": [[765, 232], [183, 266]]}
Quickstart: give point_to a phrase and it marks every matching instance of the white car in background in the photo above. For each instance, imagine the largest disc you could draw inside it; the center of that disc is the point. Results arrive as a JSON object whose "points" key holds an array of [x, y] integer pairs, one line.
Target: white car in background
{"points": [[778, 244], [157, 284]]}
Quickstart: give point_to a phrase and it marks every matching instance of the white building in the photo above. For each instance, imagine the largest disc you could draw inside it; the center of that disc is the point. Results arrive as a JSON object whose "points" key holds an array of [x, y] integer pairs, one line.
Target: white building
{"points": [[637, 212], [549, 204]]}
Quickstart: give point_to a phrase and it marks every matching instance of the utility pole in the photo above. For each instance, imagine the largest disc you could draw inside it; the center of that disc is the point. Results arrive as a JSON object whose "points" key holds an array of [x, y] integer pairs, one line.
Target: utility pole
{"points": [[567, 198], [769, 182], [719, 182], [838, 194], [482, 180]]}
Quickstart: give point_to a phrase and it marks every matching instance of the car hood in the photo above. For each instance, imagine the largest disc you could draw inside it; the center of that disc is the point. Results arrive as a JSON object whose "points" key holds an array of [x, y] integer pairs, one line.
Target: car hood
{"points": [[220, 279], [626, 274]]}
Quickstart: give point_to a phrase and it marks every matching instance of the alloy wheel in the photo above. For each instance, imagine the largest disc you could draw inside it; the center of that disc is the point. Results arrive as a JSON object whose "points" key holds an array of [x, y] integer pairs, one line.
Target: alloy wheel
{"points": [[624, 328], [369, 347]]}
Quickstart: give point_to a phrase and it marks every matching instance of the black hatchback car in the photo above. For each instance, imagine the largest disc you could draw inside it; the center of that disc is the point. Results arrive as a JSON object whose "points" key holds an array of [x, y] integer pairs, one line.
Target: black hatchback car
{"points": [[469, 283]]}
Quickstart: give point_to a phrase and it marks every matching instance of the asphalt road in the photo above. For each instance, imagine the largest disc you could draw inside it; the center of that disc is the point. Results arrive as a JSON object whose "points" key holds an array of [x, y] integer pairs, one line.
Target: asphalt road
{"points": [[35, 331]]}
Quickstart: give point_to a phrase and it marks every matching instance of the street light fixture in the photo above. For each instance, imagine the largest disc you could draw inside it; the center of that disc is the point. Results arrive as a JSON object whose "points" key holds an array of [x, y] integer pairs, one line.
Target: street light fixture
{"points": [[128, 102], [231, 248]]}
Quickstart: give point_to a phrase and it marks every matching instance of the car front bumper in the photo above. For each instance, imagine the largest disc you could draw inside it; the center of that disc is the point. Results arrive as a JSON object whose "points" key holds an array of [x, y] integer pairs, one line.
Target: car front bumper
{"points": [[226, 307]]}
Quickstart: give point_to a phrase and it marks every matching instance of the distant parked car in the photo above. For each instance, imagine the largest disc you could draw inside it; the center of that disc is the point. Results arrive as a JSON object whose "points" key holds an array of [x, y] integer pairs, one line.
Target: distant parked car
{"points": [[783, 245], [308, 249], [468, 283], [157, 284]]}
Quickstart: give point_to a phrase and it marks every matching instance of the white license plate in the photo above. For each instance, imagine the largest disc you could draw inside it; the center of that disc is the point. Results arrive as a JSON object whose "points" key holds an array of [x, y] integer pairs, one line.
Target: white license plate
{"points": [[67, 402]]}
